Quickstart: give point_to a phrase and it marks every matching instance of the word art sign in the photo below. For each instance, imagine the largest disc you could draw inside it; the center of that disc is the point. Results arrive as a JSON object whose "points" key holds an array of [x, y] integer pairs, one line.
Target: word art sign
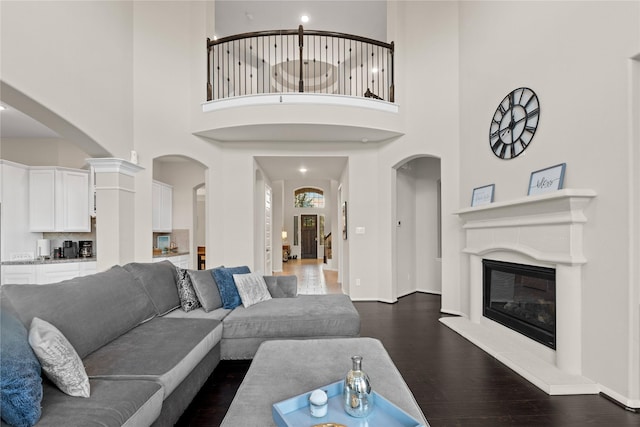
{"points": [[546, 180]]}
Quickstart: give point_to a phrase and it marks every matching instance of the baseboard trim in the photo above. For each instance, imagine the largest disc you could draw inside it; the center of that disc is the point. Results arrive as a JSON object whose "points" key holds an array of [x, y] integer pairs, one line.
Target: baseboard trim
{"points": [[452, 312], [631, 405]]}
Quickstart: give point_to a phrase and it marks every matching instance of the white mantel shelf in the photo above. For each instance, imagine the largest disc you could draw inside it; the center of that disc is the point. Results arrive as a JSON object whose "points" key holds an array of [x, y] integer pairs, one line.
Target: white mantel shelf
{"points": [[560, 206]]}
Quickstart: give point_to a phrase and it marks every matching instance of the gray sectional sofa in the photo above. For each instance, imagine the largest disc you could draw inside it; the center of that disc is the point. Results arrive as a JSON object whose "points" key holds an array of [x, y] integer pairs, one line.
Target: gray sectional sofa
{"points": [[146, 358]]}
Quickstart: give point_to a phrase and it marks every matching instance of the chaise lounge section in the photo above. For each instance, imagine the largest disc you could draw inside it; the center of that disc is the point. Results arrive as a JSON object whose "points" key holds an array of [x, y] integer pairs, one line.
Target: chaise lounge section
{"points": [[146, 357]]}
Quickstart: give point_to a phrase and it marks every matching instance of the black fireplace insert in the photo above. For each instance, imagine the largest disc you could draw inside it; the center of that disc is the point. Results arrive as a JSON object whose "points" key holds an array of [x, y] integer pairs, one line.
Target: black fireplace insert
{"points": [[521, 297]]}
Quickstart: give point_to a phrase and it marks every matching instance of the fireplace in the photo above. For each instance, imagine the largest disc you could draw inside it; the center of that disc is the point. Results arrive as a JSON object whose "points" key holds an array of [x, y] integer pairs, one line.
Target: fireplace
{"points": [[522, 298]]}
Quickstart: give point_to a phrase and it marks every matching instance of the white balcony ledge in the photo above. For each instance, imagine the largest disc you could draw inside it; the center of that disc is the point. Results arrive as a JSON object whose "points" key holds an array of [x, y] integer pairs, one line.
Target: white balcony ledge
{"points": [[300, 117]]}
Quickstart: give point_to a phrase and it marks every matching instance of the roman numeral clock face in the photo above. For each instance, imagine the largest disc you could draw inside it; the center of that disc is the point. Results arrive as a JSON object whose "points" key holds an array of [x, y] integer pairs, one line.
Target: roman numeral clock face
{"points": [[514, 123]]}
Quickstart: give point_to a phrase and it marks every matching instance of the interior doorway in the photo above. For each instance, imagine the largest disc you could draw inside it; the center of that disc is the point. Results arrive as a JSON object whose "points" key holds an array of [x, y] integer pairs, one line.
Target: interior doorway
{"points": [[418, 226], [309, 236]]}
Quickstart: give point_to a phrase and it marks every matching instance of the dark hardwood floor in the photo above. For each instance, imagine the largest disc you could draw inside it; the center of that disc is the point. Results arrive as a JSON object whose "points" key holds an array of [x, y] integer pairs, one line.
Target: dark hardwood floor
{"points": [[454, 382]]}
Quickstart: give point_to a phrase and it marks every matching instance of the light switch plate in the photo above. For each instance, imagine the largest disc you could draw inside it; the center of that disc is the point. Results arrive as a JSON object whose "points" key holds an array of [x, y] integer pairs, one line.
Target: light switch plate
{"points": [[359, 230]]}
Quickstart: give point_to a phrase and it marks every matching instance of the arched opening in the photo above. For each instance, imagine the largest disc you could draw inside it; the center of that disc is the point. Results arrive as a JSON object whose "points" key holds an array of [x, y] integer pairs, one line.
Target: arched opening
{"points": [[417, 259], [179, 208]]}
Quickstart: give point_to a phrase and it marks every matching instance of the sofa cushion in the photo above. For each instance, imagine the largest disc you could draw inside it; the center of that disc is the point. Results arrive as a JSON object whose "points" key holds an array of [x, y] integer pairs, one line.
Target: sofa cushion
{"points": [[90, 311], [282, 286], [112, 404], [20, 381], [206, 289], [187, 295], [58, 358], [304, 316], [199, 313], [227, 287], [159, 280], [252, 288], [164, 349]]}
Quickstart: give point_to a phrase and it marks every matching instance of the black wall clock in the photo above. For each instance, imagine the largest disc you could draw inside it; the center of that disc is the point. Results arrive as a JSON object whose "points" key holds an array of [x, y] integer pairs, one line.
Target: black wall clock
{"points": [[514, 123]]}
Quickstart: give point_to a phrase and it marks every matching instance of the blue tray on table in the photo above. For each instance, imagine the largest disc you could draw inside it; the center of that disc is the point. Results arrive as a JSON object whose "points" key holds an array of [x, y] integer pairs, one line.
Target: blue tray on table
{"points": [[294, 412]]}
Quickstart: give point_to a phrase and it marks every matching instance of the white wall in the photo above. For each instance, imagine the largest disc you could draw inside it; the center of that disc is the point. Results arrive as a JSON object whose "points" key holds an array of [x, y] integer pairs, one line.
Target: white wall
{"points": [[75, 59], [43, 152], [576, 57], [426, 39]]}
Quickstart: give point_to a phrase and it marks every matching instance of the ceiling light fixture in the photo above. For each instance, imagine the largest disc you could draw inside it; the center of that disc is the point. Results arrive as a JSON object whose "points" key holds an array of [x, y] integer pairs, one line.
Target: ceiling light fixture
{"points": [[304, 19], [374, 70], [2, 107], [303, 170]]}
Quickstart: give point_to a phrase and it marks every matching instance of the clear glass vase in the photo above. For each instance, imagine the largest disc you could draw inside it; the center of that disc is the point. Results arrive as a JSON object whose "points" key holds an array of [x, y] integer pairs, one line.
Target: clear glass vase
{"points": [[357, 394]]}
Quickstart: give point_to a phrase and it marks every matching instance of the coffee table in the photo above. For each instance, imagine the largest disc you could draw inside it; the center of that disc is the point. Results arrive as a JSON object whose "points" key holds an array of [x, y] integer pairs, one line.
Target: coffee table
{"points": [[282, 369]]}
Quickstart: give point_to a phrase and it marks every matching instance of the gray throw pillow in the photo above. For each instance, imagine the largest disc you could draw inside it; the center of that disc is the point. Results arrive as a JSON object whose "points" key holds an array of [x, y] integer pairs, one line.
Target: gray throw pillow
{"points": [[159, 281], [188, 298], [282, 286], [206, 289]]}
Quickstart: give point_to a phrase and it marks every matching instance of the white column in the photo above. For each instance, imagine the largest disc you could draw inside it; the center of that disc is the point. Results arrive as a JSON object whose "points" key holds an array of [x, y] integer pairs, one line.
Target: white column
{"points": [[569, 318], [115, 191]]}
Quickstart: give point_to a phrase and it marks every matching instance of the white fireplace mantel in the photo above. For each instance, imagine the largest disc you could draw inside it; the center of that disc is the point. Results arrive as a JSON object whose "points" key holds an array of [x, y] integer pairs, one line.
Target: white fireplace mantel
{"points": [[546, 230]]}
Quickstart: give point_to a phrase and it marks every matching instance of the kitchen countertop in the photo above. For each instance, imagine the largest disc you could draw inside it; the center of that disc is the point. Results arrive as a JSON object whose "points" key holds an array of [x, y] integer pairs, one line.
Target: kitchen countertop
{"points": [[170, 254], [47, 261]]}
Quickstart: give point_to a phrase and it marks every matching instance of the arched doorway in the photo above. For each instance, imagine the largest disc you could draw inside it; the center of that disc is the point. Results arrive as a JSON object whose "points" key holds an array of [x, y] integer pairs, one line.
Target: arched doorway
{"points": [[418, 226]]}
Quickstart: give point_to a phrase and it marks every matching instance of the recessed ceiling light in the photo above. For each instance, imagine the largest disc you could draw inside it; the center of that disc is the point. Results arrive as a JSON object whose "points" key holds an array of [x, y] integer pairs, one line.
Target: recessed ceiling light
{"points": [[2, 107], [374, 70], [303, 170], [304, 19]]}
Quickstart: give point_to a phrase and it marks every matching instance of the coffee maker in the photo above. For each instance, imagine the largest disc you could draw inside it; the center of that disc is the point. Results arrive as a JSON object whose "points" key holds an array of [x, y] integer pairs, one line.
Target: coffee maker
{"points": [[70, 249], [85, 248]]}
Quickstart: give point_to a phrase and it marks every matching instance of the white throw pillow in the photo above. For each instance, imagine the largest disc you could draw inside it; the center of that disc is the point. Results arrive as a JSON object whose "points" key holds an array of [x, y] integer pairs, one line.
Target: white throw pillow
{"points": [[252, 288], [58, 358]]}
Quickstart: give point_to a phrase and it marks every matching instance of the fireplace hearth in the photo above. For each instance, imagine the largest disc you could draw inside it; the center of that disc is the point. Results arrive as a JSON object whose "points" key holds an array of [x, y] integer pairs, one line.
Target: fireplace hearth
{"points": [[522, 298]]}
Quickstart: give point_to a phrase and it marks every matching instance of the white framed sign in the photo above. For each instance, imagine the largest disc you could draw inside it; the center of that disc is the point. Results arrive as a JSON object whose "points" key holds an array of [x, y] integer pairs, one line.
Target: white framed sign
{"points": [[482, 195], [546, 180]]}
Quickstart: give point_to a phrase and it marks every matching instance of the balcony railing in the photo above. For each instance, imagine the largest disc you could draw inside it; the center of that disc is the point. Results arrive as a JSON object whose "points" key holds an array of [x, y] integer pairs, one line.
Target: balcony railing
{"points": [[284, 61]]}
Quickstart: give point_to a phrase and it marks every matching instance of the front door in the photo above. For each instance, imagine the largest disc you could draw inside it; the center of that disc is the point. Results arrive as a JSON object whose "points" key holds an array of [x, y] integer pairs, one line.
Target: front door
{"points": [[309, 247]]}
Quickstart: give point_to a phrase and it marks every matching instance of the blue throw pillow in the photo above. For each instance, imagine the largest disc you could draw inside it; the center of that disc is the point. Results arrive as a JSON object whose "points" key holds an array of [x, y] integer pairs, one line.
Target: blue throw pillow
{"points": [[227, 287], [20, 380]]}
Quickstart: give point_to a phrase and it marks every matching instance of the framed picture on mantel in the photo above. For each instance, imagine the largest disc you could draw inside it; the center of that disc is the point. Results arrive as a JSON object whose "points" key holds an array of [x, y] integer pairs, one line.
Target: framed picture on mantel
{"points": [[482, 195], [546, 180]]}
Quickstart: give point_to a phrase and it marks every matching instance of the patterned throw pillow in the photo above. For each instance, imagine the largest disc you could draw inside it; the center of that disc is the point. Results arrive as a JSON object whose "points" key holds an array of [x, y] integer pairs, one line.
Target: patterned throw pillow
{"points": [[188, 298], [252, 288], [20, 380], [58, 358]]}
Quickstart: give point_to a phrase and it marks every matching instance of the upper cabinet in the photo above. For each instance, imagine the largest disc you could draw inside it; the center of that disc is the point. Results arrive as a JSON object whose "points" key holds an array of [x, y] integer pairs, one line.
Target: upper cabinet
{"points": [[59, 199], [162, 205]]}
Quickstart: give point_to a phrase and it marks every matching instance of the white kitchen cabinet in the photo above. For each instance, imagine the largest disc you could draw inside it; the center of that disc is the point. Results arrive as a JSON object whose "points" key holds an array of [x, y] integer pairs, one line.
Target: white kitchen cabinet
{"points": [[19, 274], [42, 274], [53, 273], [182, 261], [15, 235], [162, 205], [59, 199]]}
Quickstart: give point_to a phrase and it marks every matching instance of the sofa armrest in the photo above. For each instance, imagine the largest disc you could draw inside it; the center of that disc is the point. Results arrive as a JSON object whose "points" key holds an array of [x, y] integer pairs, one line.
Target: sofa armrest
{"points": [[282, 286]]}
